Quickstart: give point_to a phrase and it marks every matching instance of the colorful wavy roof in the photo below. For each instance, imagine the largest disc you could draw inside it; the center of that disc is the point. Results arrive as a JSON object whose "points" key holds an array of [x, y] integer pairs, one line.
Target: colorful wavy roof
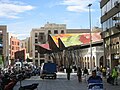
{"points": [[45, 46], [76, 39]]}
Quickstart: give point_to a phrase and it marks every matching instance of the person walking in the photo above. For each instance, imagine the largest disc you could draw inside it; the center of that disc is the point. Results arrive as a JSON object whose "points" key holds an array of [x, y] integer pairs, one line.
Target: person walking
{"points": [[104, 72], [85, 73], [115, 76], [68, 71], [79, 74]]}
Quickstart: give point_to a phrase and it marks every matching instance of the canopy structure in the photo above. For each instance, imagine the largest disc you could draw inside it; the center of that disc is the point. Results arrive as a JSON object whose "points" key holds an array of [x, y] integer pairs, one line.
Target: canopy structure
{"points": [[61, 45], [53, 46], [60, 42], [43, 48], [75, 39]]}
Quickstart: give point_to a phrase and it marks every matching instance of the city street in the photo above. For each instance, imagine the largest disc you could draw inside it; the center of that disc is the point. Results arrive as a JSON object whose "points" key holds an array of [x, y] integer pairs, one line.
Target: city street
{"points": [[61, 83]]}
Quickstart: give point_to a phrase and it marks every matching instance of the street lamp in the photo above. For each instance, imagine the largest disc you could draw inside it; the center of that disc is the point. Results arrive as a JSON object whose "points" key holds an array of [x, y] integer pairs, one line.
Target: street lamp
{"points": [[89, 6]]}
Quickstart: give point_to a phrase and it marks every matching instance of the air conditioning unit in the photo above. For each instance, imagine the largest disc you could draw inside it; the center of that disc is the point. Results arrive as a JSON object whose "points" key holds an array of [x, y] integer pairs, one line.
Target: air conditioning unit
{"points": [[116, 4]]}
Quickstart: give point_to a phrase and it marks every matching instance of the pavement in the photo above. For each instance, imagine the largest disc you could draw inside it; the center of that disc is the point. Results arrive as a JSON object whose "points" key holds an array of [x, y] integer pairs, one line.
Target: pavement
{"points": [[61, 83]]}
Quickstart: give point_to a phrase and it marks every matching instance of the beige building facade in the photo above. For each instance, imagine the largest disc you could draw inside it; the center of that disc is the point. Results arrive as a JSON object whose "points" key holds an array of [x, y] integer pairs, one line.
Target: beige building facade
{"points": [[40, 36]]}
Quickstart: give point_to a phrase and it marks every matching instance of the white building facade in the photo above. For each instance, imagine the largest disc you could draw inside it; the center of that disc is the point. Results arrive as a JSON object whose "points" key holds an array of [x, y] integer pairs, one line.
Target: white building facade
{"points": [[97, 57]]}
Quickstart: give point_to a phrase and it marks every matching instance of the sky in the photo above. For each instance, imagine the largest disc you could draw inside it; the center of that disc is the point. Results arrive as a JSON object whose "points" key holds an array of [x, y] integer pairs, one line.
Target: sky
{"points": [[21, 16]]}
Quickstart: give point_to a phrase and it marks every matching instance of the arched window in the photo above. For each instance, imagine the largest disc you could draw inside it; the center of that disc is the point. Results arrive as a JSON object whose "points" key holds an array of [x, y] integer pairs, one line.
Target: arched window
{"points": [[62, 31], [88, 62], [93, 61]]}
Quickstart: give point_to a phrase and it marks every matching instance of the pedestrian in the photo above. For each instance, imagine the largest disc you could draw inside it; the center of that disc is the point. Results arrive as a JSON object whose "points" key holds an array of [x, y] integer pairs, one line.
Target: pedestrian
{"points": [[94, 76], [85, 73], [68, 71], [98, 72], [95, 82], [1, 79], [115, 76], [108, 71], [104, 72], [79, 74]]}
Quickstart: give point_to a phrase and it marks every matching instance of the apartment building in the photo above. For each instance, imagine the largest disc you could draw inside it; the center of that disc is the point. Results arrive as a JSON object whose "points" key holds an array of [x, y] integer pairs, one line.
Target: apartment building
{"points": [[14, 45], [110, 20], [40, 36], [25, 44], [3, 46]]}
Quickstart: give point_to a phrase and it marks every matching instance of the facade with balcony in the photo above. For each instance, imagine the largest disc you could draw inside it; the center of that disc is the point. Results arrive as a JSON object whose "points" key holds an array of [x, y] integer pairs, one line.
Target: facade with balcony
{"points": [[110, 20]]}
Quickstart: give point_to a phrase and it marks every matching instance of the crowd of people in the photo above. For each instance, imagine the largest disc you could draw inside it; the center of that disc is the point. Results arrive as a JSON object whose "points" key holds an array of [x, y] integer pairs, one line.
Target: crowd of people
{"points": [[110, 75], [9, 77]]}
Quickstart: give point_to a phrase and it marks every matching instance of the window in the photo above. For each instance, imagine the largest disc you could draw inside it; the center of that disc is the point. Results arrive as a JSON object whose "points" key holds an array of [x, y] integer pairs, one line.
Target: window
{"points": [[41, 55], [35, 34], [36, 62], [36, 55], [18, 43], [35, 48], [12, 43], [55, 31], [12, 53], [41, 37], [62, 31], [36, 41], [49, 31], [12, 47]]}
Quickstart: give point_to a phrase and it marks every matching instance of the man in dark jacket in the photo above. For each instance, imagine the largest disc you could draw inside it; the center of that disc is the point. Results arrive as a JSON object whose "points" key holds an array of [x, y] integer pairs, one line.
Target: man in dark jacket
{"points": [[68, 71]]}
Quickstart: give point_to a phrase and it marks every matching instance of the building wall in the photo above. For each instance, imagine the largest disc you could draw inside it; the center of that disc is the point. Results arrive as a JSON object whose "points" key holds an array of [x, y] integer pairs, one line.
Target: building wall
{"points": [[25, 44], [40, 36], [14, 46], [85, 56], [110, 21], [3, 30]]}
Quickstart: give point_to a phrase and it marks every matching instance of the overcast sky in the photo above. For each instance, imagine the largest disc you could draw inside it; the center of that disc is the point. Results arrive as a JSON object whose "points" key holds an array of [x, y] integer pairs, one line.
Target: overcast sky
{"points": [[22, 15]]}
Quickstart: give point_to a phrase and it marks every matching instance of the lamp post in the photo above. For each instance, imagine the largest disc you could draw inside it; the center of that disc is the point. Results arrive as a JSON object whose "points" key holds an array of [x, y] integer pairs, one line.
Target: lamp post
{"points": [[89, 6]]}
